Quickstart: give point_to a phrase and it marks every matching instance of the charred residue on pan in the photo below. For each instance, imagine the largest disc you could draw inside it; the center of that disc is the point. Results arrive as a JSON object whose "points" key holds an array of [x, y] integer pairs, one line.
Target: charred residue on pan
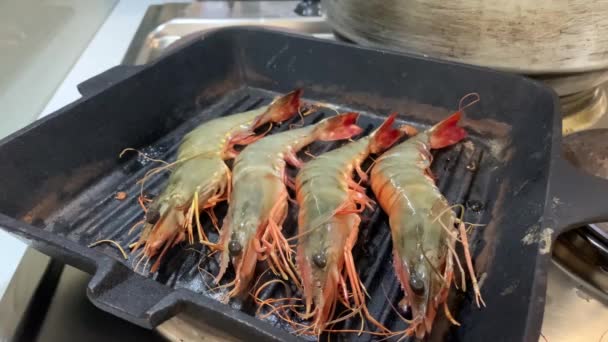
{"points": [[213, 93], [59, 190]]}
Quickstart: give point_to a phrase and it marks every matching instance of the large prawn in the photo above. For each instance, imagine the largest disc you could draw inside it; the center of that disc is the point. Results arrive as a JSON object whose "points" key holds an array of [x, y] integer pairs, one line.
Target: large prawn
{"points": [[200, 178], [251, 230], [330, 202], [422, 223]]}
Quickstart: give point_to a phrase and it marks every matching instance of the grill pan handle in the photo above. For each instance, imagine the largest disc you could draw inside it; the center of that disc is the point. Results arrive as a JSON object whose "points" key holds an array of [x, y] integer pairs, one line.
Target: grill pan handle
{"points": [[116, 289], [577, 197], [106, 79]]}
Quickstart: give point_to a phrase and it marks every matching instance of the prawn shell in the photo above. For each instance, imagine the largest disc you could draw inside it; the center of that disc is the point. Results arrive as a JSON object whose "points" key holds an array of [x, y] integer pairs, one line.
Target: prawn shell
{"points": [[420, 220], [328, 222]]}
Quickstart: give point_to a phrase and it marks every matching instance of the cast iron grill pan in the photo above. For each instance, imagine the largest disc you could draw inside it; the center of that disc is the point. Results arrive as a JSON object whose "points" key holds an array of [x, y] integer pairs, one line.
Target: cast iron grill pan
{"points": [[188, 267], [59, 175]]}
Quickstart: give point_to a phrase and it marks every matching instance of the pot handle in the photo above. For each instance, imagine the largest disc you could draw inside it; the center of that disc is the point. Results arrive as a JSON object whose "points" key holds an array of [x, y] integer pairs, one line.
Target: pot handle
{"points": [[107, 79], [577, 197]]}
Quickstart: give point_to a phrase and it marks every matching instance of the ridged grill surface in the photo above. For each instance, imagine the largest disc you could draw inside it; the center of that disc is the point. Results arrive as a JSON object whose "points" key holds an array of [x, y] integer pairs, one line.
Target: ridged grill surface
{"points": [[461, 172]]}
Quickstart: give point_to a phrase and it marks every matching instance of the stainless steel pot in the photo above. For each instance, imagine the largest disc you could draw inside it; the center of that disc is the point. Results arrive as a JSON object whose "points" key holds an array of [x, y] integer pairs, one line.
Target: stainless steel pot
{"points": [[529, 37]]}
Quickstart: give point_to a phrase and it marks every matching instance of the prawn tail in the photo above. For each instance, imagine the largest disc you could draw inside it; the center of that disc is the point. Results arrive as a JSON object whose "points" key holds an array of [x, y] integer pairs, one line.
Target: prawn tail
{"points": [[385, 136], [342, 126], [281, 109], [447, 132]]}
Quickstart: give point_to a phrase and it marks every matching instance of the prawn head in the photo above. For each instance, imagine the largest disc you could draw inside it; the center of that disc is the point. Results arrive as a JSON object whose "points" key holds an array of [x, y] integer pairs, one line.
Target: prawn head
{"points": [[326, 265], [240, 233], [195, 185], [159, 233], [320, 274], [424, 289]]}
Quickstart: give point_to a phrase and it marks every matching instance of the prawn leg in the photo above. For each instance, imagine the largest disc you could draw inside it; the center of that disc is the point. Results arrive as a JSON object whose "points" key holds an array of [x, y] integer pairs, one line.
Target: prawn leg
{"points": [[362, 174], [355, 282], [277, 242]]}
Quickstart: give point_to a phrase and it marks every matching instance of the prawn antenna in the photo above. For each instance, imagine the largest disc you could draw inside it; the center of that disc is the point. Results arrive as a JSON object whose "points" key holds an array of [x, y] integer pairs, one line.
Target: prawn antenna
{"points": [[474, 99], [142, 154], [114, 243]]}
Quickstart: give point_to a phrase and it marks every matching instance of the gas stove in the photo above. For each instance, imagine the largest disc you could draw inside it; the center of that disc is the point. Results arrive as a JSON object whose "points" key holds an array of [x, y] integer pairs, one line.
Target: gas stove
{"points": [[46, 300]]}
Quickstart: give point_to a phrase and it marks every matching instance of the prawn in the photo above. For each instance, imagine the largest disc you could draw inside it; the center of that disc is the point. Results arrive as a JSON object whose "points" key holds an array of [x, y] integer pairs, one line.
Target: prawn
{"points": [[251, 230], [328, 224], [422, 223], [200, 177]]}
